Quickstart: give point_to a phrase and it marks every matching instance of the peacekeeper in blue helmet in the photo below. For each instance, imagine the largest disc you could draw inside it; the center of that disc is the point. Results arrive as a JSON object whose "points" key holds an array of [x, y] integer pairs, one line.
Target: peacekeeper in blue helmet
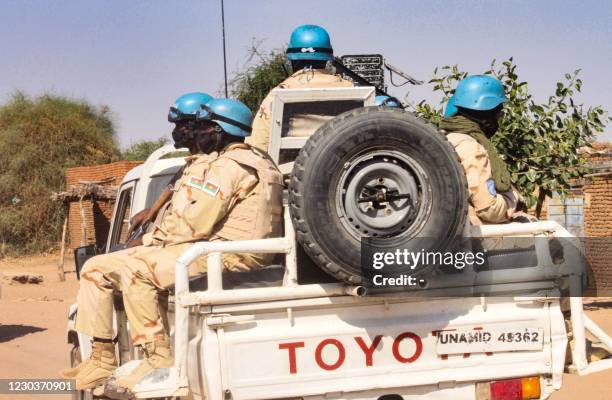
{"points": [[470, 120], [309, 51], [226, 191]]}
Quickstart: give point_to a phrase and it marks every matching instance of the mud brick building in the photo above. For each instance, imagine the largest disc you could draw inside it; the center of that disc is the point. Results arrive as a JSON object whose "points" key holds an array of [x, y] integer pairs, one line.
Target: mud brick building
{"points": [[598, 218], [89, 218], [587, 213]]}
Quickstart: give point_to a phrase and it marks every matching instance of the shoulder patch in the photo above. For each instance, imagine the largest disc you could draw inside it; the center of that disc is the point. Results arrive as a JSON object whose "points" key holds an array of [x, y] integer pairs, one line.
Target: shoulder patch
{"points": [[196, 182], [211, 188], [491, 187]]}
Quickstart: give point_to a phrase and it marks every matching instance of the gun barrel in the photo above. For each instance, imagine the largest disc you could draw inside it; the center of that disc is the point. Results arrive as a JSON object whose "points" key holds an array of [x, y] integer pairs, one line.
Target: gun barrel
{"points": [[404, 75]]}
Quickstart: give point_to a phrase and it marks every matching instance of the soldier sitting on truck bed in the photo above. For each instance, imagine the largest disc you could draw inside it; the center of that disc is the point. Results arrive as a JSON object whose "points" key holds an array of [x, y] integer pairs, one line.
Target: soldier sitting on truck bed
{"points": [[309, 51], [470, 120], [227, 191]]}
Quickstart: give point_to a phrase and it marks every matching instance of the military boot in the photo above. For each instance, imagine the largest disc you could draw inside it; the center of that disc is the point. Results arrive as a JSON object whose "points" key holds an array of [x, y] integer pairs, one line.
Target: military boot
{"points": [[98, 368], [157, 355], [71, 373]]}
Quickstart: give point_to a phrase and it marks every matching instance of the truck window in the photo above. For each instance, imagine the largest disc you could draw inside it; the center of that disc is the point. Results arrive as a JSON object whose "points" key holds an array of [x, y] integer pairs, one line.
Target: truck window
{"points": [[122, 218]]}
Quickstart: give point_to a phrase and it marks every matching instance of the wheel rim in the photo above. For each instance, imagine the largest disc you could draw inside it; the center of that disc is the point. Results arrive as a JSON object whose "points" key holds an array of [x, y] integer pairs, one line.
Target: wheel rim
{"points": [[383, 193]]}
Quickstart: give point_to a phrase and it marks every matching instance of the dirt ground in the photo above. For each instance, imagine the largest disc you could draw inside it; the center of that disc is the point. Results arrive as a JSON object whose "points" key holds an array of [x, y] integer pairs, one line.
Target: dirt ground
{"points": [[33, 321]]}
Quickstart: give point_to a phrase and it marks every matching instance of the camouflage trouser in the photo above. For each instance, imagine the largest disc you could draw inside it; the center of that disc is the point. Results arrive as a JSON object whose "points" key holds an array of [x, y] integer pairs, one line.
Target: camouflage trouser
{"points": [[141, 273]]}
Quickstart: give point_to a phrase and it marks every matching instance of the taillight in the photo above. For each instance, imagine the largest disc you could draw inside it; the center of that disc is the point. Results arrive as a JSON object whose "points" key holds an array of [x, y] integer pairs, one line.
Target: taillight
{"points": [[531, 387], [509, 389]]}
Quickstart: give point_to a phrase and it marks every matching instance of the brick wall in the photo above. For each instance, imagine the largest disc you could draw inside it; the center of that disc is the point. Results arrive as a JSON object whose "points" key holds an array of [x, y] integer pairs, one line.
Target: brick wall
{"points": [[97, 213], [596, 192], [598, 230]]}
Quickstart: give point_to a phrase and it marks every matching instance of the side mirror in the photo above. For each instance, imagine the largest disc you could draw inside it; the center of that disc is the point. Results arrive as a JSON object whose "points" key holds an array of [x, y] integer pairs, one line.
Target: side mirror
{"points": [[82, 254]]}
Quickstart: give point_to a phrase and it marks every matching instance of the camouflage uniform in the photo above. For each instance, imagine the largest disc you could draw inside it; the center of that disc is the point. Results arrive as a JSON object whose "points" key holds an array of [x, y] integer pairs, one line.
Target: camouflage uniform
{"points": [[303, 79], [234, 195]]}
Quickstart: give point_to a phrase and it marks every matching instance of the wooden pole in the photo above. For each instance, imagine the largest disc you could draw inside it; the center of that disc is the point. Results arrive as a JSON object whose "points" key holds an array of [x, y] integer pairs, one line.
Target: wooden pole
{"points": [[60, 267], [540, 203], [83, 225]]}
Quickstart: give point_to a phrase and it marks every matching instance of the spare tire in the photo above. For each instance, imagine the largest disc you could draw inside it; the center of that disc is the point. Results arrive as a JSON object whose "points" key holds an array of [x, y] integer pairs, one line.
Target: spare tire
{"points": [[378, 173]]}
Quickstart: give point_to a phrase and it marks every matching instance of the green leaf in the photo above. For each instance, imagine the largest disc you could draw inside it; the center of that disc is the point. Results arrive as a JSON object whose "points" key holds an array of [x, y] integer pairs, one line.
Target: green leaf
{"points": [[531, 175]]}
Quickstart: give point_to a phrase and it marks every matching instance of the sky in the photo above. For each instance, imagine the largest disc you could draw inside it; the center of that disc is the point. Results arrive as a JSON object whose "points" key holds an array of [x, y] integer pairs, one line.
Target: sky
{"points": [[137, 57]]}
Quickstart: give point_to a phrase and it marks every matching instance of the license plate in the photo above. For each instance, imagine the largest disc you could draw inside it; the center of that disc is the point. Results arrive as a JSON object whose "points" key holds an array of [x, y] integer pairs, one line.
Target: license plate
{"points": [[461, 341]]}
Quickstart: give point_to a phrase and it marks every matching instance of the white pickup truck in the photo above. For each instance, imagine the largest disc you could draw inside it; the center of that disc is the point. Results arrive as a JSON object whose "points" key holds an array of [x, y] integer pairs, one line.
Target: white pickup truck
{"points": [[285, 333]]}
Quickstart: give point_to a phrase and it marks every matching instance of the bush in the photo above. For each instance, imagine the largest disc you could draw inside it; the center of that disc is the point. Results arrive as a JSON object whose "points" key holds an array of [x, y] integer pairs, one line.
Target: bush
{"points": [[39, 139], [253, 84], [142, 149]]}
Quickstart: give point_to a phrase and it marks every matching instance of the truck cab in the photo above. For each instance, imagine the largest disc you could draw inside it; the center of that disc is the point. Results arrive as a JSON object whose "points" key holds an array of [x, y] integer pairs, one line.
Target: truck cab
{"points": [[272, 335]]}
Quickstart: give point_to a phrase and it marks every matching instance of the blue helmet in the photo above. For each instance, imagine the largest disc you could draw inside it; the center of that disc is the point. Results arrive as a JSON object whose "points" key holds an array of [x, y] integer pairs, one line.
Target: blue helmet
{"points": [[450, 109], [479, 92], [231, 115], [310, 42], [188, 106], [387, 101]]}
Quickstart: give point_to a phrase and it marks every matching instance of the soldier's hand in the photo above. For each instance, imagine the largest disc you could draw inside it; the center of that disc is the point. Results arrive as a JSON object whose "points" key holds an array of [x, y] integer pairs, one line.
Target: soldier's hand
{"points": [[135, 242], [138, 219], [523, 217], [521, 206]]}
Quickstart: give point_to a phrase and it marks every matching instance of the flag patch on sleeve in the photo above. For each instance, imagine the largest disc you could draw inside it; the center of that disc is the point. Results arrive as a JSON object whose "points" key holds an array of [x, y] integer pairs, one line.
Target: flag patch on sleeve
{"points": [[209, 187], [196, 182]]}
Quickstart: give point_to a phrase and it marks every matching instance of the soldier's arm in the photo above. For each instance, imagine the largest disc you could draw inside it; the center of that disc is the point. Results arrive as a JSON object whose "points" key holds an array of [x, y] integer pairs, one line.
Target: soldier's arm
{"points": [[488, 204]]}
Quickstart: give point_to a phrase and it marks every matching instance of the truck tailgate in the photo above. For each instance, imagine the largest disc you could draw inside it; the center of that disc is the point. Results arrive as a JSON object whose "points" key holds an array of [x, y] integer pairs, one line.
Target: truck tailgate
{"points": [[342, 345]]}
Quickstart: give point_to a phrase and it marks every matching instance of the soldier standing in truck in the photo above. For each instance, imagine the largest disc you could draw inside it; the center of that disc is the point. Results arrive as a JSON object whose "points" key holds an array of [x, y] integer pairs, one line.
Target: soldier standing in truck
{"points": [[309, 51]]}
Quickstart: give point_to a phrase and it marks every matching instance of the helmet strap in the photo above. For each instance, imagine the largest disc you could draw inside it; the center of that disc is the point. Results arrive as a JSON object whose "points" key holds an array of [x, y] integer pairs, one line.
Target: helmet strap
{"points": [[207, 143]]}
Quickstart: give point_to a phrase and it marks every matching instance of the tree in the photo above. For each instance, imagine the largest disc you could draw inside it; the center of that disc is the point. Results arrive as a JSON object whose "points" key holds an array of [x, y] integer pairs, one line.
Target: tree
{"points": [[253, 84], [539, 141], [39, 139], [142, 149]]}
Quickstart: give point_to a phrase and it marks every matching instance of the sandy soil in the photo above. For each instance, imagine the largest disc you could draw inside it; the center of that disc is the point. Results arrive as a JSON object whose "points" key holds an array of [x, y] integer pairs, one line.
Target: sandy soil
{"points": [[33, 330], [597, 386], [33, 321]]}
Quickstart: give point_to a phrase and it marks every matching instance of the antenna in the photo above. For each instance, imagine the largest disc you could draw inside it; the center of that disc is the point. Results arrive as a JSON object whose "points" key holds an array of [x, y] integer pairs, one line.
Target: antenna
{"points": [[224, 56]]}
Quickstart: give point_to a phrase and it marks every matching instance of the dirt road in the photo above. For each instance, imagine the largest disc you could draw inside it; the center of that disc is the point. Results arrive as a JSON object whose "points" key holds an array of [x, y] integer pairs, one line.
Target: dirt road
{"points": [[33, 330], [33, 322]]}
